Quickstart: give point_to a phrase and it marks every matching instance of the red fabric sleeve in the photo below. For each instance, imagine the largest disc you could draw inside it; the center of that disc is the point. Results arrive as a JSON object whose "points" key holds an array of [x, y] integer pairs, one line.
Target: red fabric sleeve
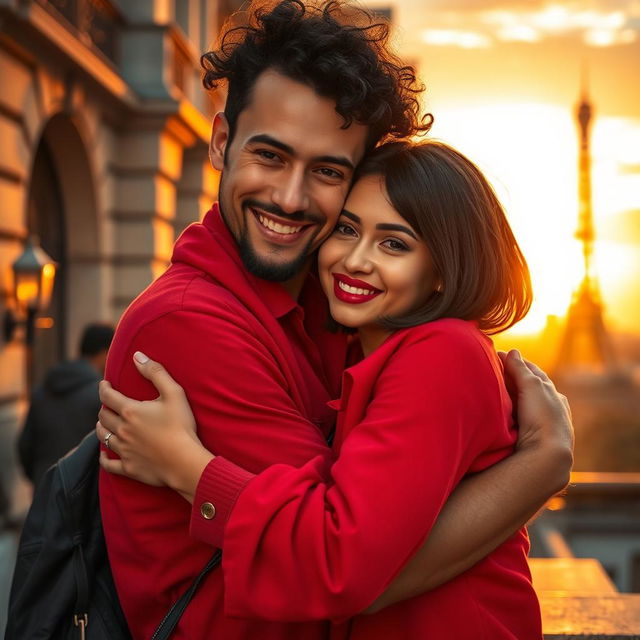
{"points": [[297, 548], [240, 400], [220, 484]]}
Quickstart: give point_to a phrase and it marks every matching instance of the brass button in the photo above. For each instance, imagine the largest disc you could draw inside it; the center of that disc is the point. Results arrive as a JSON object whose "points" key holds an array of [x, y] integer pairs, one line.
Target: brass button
{"points": [[208, 511]]}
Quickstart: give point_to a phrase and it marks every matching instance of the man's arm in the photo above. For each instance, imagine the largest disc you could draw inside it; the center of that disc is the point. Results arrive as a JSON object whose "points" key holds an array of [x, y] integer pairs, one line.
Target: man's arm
{"points": [[488, 508]]}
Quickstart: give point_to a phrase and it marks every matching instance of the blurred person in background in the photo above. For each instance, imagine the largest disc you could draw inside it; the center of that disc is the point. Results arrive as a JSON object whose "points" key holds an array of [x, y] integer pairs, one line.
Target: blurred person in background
{"points": [[64, 407]]}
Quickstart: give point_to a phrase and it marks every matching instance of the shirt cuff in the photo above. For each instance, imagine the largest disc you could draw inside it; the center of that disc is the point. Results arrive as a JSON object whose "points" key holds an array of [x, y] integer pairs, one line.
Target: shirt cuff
{"points": [[220, 485]]}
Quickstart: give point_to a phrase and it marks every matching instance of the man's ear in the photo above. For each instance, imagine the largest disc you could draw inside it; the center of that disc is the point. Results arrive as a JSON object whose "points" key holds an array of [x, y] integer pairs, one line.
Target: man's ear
{"points": [[219, 139]]}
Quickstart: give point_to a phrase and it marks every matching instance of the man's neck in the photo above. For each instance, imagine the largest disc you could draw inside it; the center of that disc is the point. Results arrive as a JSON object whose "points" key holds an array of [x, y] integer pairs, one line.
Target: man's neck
{"points": [[294, 285]]}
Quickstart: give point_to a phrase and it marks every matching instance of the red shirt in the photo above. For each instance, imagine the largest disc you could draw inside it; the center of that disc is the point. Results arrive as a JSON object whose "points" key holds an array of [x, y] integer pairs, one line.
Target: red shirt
{"points": [[423, 410], [250, 361]]}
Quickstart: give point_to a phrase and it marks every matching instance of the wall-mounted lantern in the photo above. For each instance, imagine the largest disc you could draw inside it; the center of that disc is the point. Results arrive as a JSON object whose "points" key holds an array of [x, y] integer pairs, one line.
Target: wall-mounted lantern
{"points": [[34, 273]]}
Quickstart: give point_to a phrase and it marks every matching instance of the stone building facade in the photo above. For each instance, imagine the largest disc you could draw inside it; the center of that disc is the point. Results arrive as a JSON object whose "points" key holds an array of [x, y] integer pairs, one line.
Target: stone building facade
{"points": [[104, 132]]}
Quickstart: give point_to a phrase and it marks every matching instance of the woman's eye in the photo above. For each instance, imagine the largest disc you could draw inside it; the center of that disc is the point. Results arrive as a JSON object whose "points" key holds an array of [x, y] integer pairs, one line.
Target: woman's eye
{"points": [[395, 245], [345, 229]]}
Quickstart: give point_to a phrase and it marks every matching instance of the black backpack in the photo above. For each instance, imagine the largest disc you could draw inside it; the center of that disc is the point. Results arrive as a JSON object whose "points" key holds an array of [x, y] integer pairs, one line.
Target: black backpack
{"points": [[62, 586]]}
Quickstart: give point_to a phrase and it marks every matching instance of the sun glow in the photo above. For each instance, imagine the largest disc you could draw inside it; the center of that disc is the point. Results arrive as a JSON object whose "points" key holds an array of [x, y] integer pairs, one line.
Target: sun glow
{"points": [[529, 152]]}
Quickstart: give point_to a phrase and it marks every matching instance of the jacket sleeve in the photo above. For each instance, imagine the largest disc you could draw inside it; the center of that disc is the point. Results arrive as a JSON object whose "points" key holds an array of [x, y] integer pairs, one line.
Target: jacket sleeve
{"points": [[298, 547]]}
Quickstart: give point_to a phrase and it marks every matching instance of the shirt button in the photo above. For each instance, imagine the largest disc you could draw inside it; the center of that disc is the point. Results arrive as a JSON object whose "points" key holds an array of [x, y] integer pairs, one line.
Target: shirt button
{"points": [[208, 511]]}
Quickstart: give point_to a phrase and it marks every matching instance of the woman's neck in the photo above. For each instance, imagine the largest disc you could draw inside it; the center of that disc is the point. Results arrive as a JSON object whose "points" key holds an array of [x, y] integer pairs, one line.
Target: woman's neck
{"points": [[372, 337]]}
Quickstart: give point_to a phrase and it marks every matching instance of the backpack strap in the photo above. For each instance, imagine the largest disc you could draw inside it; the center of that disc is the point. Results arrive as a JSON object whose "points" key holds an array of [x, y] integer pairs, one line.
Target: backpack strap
{"points": [[171, 619], [81, 610], [72, 482]]}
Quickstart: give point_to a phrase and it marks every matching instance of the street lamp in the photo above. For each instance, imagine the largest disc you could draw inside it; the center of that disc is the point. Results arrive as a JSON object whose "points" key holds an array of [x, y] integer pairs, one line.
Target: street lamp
{"points": [[34, 273]]}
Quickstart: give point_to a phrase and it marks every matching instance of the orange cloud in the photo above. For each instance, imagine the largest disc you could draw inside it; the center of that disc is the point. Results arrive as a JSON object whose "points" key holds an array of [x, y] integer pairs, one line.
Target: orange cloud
{"points": [[476, 25]]}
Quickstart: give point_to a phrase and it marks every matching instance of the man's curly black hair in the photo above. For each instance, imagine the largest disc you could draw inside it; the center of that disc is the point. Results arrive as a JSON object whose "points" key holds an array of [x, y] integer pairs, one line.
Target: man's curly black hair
{"points": [[338, 49]]}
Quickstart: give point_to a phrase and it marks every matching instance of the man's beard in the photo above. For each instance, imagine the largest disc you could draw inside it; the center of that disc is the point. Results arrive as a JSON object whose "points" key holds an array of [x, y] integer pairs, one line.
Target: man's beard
{"points": [[269, 270], [256, 265]]}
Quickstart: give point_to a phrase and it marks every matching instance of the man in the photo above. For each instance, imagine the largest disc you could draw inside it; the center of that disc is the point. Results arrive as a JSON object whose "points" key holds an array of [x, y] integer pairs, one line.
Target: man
{"points": [[64, 407], [239, 321]]}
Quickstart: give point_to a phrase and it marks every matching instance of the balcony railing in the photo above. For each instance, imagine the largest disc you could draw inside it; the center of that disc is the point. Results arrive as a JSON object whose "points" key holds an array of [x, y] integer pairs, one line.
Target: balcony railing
{"points": [[96, 22]]}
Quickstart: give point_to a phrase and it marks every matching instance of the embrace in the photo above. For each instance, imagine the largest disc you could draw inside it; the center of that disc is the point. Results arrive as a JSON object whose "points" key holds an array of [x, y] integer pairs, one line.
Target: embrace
{"points": [[331, 411]]}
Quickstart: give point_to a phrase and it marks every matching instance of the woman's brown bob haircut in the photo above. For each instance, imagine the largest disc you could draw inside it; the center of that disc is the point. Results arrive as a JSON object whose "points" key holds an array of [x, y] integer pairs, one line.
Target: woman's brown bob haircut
{"points": [[449, 203]]}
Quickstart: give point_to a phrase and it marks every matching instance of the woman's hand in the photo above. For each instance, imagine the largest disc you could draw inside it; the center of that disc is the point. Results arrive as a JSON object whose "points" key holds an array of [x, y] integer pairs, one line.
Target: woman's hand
{"points": [[155, 440], [543, 414]]}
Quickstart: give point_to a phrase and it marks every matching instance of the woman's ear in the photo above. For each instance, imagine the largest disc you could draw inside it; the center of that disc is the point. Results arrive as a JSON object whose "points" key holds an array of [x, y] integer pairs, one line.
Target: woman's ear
{"points": [[219, 140]]}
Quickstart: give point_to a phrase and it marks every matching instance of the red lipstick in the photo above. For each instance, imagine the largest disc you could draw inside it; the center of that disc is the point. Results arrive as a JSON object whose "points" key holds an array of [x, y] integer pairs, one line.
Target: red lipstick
{"points": [[352, 298]]}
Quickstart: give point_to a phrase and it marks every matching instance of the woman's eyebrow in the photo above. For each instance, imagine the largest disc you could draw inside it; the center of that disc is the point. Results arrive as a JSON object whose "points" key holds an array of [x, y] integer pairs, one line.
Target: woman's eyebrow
{"points": [[396, 227], [383, 226]]}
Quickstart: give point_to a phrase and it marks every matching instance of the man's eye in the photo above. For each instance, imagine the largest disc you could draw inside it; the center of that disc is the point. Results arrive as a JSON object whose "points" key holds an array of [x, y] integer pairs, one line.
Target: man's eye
{"points": [[330, 173], [267, 155]]}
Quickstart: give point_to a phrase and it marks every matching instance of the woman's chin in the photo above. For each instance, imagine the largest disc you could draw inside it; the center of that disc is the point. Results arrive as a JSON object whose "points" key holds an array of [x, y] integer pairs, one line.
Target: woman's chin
{"points": [[345, 320]]}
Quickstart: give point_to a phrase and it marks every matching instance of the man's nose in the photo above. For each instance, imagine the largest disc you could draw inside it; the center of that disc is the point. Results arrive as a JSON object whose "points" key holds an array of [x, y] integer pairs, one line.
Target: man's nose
{"points": [[291, 192]]}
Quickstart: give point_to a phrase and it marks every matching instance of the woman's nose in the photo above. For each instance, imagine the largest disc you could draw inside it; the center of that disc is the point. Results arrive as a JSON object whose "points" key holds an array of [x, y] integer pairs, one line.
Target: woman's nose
{"points": [[359, 259]]}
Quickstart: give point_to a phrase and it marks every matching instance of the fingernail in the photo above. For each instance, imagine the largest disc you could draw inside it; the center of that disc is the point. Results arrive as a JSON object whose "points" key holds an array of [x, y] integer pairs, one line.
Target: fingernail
{"points": [[517, 355], [140, 357]]}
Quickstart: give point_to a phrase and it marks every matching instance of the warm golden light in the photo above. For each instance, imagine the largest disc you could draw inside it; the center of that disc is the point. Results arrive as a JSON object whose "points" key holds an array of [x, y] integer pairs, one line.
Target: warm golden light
{"points": [[47, 280], [529, 152], [27, 290], [503, 83], [44, 323], [556, 503]]}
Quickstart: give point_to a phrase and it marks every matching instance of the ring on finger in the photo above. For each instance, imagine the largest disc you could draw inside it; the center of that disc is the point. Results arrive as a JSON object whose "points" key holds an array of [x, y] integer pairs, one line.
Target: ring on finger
{"points": [[106, 440]]}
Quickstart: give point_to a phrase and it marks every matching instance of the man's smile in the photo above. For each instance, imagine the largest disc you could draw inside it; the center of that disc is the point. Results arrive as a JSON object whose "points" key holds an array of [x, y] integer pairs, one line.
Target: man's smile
{"points": [[277, 229]]}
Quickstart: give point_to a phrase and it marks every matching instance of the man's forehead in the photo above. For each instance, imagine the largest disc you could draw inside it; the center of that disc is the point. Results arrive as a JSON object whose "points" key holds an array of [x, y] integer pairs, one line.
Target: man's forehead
{"points": [[301, 121]]}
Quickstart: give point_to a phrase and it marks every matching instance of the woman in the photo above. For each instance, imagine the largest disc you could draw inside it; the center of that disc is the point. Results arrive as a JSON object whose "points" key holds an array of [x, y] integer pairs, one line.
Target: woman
{"points": [[423, 264]]}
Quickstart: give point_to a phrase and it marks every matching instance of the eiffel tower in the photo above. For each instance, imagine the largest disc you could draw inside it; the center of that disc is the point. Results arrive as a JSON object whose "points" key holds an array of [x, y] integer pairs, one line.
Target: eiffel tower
{"points": [[585, 347]]}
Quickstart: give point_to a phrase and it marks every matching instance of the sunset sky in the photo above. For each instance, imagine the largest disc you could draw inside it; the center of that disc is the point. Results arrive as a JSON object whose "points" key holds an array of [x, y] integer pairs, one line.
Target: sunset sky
{"points": [[503, 80]]}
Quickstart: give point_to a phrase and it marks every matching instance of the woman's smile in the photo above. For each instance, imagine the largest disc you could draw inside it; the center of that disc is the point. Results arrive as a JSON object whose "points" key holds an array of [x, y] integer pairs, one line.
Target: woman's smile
{"points": [[353, 291]]}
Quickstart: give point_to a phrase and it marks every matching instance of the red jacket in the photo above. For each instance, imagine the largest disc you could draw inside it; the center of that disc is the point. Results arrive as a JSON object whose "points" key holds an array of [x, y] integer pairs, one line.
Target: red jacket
{"points": [[426, 408], [250, 361]]}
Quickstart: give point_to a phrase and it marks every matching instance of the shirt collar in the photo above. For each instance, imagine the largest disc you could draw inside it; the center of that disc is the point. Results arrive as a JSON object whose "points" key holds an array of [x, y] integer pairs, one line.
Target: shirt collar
{"points": [[273, 294]]}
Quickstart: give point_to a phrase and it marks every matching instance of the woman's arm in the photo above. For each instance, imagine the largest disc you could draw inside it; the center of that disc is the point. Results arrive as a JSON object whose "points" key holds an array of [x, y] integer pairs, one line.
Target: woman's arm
{"points": [[387, 488], [489, 507], [481, 513]]}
